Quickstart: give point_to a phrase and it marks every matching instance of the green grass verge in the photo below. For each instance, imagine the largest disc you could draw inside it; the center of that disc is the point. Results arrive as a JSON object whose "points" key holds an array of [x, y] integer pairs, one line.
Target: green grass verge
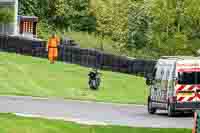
{"points": [[13, 124], [24, 75]]}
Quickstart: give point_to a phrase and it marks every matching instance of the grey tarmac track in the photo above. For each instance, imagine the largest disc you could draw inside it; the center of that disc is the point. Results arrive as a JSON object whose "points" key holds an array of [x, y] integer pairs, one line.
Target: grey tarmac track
{"points": [[92, 112]]}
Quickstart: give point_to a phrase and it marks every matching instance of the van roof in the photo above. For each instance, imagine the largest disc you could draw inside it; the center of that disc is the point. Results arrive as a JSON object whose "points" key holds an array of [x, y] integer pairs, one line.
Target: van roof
{"points": [[179, 57]]}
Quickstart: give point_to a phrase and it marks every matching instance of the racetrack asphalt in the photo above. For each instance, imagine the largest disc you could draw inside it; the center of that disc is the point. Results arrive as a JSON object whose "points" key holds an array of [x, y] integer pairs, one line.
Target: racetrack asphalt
{"points": [[92, 112]]}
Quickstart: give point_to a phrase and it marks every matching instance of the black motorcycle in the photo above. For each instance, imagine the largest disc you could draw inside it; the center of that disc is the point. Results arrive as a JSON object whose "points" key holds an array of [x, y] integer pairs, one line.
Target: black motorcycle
{"points": [[94, 79]]}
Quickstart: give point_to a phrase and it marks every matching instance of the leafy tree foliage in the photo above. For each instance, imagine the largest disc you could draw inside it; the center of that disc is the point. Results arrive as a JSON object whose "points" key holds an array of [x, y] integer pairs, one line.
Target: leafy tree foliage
{"points": [[63, 14], [165, 26], [112, 20], [138, 27], [6, 15], [27, 7]]}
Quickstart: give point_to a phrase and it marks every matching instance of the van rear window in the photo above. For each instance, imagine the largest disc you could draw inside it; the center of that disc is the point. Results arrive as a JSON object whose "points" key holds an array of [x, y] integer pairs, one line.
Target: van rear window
{"points": [[188, 77]]}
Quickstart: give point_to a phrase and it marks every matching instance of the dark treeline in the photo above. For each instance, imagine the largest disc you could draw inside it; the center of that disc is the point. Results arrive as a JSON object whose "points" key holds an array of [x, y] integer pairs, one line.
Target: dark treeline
{"points": [[139, 28]]}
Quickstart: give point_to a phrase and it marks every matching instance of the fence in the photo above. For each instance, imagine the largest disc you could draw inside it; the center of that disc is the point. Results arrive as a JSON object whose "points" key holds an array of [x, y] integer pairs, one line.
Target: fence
{"points": [[75, 55]]}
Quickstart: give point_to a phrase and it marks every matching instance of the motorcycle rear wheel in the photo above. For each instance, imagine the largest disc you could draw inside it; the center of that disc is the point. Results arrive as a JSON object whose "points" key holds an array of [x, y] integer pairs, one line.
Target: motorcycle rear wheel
{"points": [[93, 85]]}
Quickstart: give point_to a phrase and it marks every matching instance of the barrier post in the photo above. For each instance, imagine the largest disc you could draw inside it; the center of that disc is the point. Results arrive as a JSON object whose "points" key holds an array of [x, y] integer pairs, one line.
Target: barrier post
{"points": [[194, 130]]}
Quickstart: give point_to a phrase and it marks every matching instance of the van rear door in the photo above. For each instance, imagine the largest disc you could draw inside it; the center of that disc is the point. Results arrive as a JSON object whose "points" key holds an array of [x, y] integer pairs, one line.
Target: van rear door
{"points": [[185, 87], [187, 83], [198, 82]]}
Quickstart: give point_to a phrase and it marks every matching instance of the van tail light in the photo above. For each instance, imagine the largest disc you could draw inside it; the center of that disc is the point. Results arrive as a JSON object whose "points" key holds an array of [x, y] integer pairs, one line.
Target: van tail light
{"points": [[176, 82], [173, 99]]}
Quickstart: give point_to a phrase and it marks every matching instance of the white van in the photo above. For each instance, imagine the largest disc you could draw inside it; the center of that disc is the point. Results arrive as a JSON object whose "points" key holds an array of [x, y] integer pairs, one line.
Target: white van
{"points": [[174, 85]]}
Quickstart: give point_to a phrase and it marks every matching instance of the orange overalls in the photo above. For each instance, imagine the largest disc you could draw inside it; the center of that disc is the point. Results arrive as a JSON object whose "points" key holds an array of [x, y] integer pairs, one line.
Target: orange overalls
{"points": [[52, 45]]}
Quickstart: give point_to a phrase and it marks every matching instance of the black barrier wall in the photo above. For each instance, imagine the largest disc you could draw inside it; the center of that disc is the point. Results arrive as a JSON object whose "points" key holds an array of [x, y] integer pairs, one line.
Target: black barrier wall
{"points": [[75, 55]]}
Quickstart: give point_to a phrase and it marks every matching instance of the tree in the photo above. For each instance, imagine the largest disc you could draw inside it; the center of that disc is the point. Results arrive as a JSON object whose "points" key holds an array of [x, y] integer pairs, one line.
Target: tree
{"points": [[160, 26], [7, 15], [27, 7], [191, 22], [62, 14], [138, 25], [112, 20]]}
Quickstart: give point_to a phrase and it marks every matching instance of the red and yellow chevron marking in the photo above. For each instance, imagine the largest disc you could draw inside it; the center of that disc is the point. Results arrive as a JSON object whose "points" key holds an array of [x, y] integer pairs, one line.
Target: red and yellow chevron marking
{"points": [[187, 93], [186, 97], [198, 97], [180, 88]]}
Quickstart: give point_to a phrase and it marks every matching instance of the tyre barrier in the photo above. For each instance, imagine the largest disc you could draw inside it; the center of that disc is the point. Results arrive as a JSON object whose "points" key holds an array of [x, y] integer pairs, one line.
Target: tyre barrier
{"points": [[76, 55]]}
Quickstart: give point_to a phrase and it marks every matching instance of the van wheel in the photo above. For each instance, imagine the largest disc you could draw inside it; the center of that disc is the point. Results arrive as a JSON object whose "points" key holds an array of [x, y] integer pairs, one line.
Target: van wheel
{"points": [[170, 111], [151, 110]]}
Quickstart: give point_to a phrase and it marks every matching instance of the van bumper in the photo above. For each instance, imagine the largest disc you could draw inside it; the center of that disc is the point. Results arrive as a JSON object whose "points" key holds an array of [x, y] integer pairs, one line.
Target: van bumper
{"points": [[187, 106]]}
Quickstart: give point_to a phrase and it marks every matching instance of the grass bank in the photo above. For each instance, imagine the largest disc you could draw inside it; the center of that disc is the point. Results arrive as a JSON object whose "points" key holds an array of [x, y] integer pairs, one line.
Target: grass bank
{"points": [[13, 124], [23, 75]]}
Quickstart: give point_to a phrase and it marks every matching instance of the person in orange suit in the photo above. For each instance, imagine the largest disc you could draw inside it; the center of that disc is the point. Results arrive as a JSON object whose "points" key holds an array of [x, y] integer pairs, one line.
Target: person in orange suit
{"points": [[52, 48]]}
